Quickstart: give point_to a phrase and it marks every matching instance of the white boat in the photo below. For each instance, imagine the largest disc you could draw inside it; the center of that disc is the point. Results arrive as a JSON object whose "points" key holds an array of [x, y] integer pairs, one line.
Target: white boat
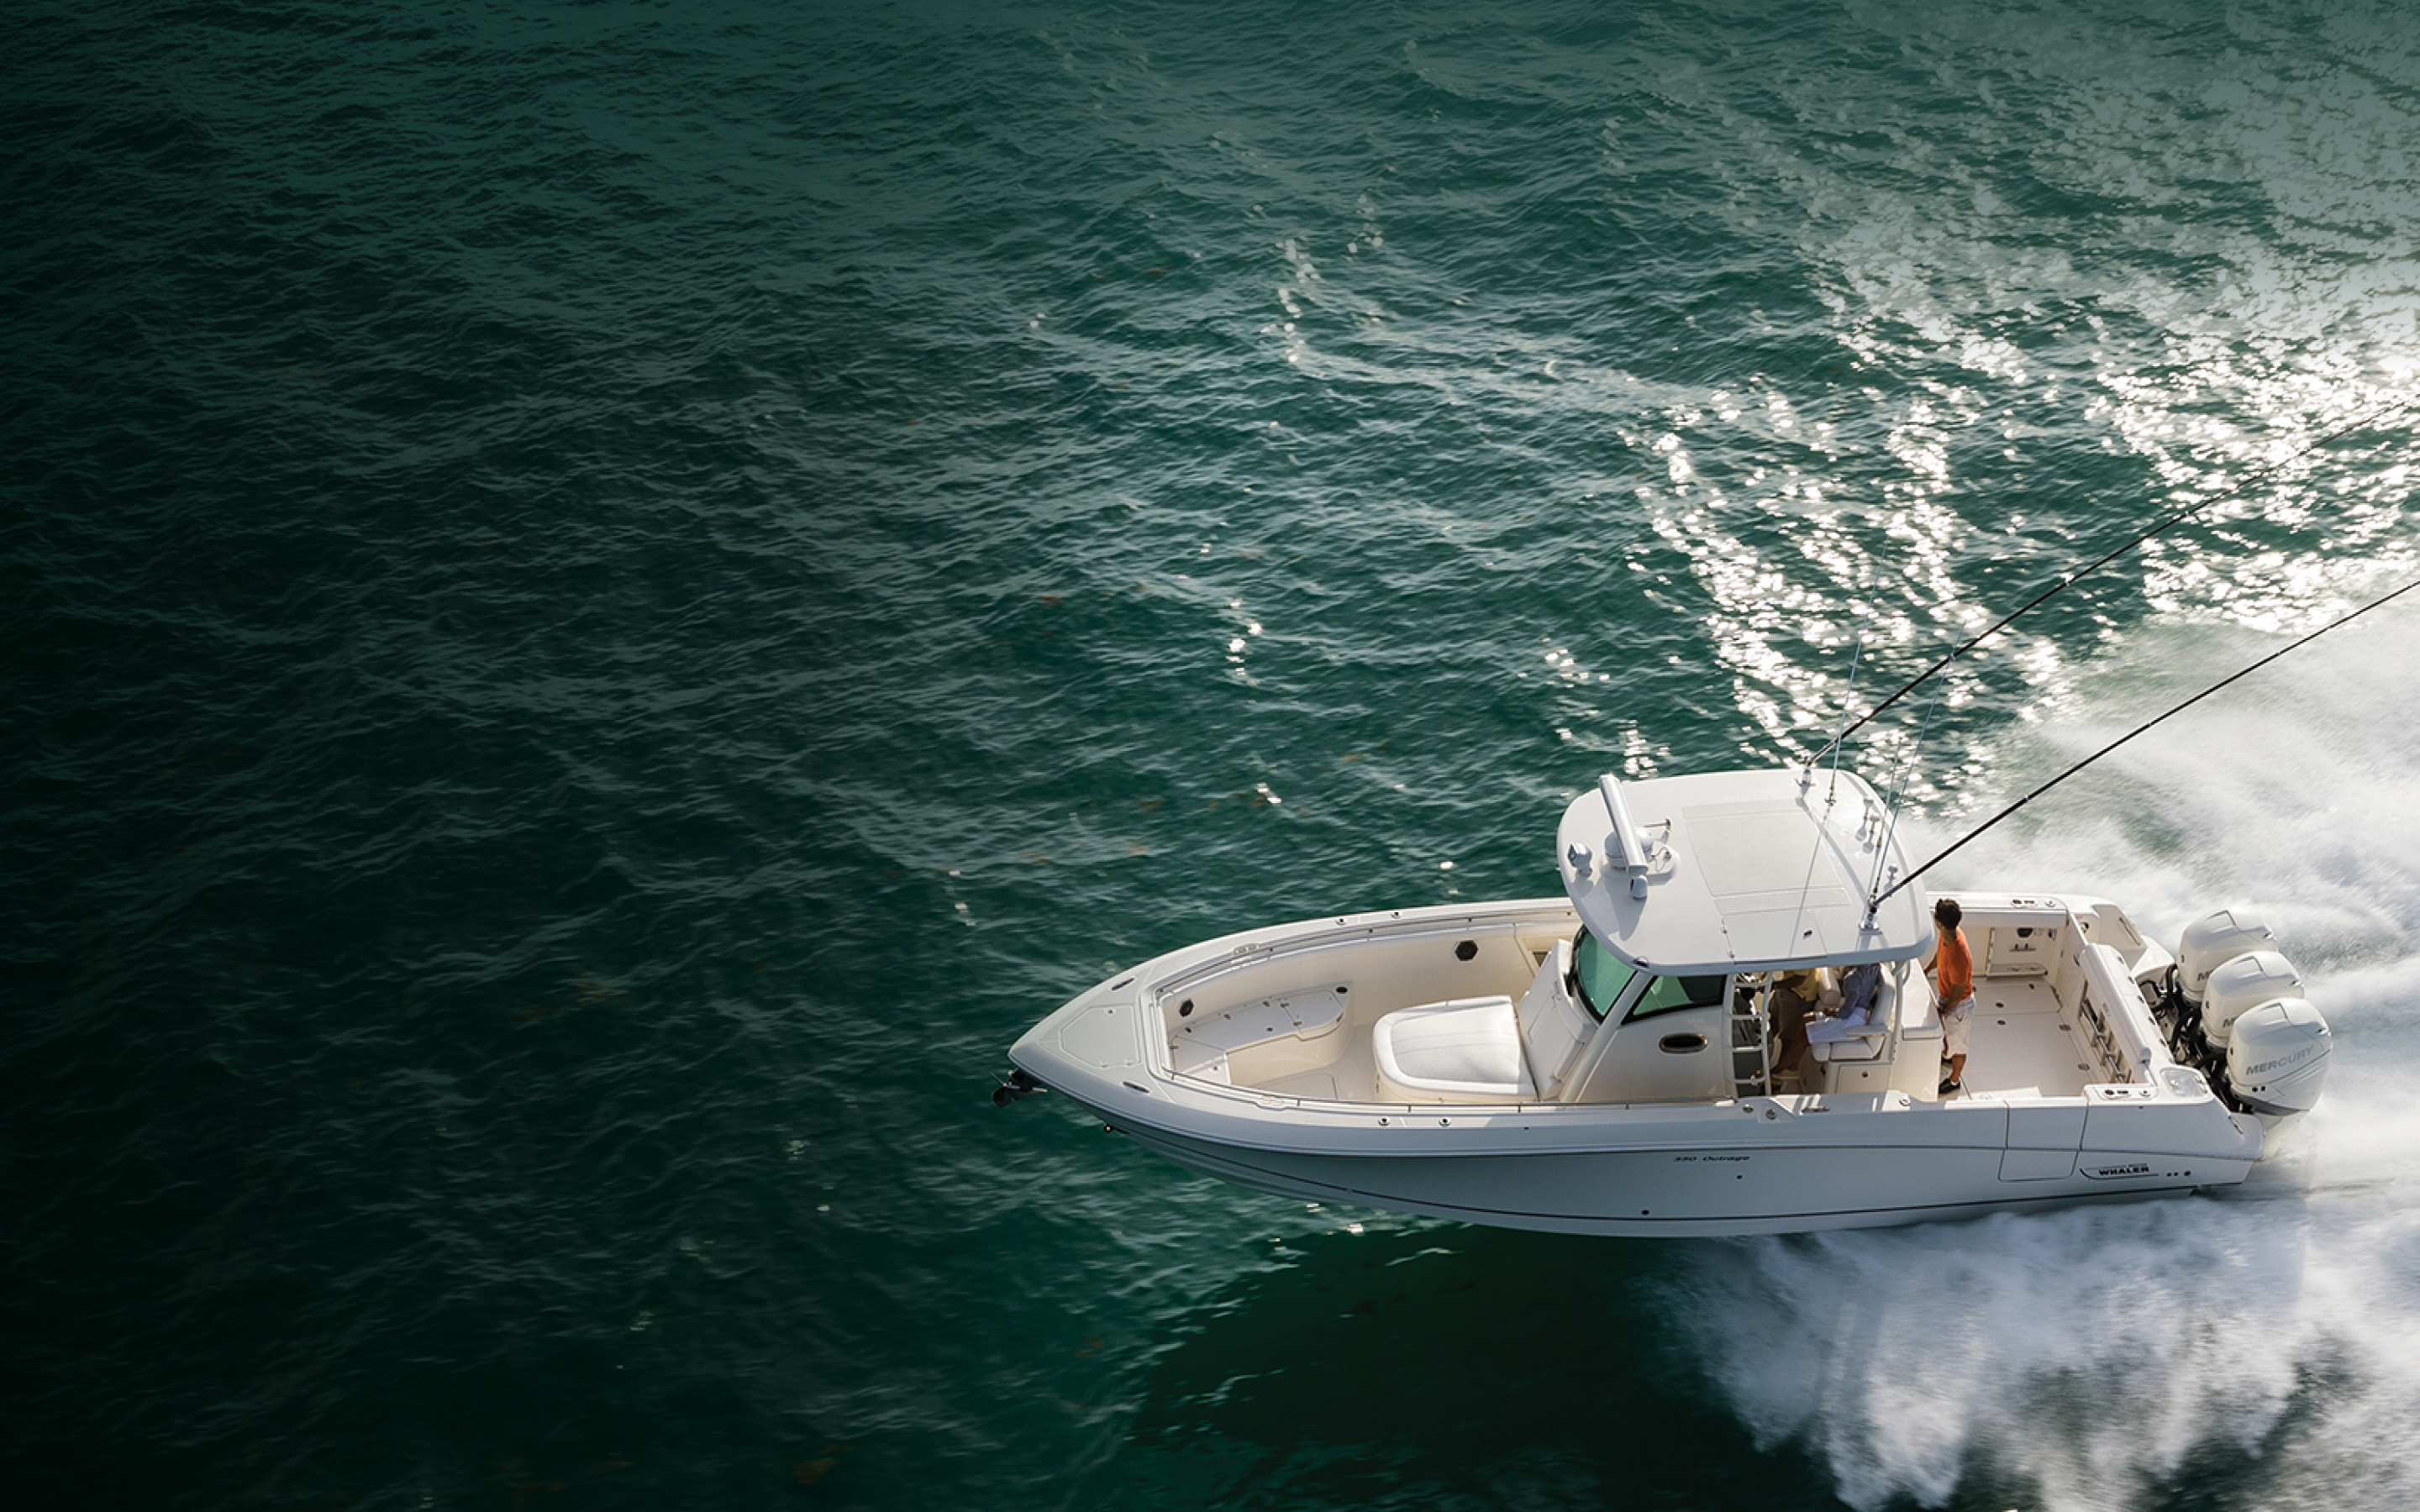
{"points": [[1603, 1062]]}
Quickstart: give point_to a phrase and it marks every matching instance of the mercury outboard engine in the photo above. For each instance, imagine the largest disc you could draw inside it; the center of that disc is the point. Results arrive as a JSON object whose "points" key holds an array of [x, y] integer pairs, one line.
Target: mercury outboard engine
{"points": [[2239, 986], [2235, 1010], [2277, 1061], [2210, 942]]}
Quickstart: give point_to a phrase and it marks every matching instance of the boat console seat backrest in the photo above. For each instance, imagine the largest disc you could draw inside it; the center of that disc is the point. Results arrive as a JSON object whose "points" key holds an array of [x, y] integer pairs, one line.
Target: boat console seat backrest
{"points": [[1553, 1027], [1865, 1042], [1463, 1050]]}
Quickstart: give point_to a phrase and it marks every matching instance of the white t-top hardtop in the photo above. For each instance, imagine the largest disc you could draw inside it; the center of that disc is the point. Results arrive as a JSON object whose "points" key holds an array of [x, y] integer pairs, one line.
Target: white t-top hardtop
{"points": [[1743, 871]]}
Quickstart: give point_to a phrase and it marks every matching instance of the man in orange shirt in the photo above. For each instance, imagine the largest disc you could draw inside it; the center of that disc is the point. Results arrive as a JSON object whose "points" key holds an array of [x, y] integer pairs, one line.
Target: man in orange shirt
{"points": [[1953, 976]]}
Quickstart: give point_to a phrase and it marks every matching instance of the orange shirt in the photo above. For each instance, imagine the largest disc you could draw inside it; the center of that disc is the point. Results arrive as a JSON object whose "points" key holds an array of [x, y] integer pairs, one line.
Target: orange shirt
{"points": [[1953, 966]]}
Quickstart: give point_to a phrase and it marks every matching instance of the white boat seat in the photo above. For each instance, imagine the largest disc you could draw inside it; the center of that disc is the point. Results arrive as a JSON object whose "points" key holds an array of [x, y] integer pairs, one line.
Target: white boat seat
{"points": [[1864, 1043], [1868, 1039], [1465, 1050]]}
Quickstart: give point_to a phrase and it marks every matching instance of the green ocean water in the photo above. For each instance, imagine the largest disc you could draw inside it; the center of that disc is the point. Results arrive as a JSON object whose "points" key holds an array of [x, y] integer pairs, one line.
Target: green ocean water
{"points": [[607, 601]]}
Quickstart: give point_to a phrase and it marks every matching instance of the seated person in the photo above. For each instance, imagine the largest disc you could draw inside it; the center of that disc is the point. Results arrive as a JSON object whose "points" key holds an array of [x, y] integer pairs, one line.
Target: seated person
{"points": [[1858, 989], [1794, 992]]}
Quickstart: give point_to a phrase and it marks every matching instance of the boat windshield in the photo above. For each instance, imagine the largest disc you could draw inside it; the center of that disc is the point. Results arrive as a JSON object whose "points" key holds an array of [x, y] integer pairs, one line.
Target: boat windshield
{"points": [[1664, 993], [1598, 974]]}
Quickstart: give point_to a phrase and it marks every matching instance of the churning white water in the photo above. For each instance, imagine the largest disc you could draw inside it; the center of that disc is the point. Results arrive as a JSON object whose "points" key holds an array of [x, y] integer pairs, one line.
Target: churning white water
{"points": [[2266, 1335]]}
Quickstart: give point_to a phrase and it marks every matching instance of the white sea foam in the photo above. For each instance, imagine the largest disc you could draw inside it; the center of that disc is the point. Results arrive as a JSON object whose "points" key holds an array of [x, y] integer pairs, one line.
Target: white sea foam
{"points": [[2094, 1353]]}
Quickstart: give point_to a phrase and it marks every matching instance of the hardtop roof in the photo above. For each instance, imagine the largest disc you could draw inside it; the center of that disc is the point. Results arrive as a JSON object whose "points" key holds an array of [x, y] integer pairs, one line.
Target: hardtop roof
{"points": [[1741, 871]]}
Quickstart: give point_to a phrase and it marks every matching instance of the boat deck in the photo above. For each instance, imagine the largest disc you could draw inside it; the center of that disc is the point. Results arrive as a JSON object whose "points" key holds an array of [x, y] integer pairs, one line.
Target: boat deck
{"points": [[2020, 1045], [1352, 1077]]}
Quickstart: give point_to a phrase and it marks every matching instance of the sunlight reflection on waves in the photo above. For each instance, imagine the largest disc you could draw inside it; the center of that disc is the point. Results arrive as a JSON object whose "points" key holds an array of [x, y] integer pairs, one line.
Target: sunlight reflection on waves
{"points": [[2255, 308], [2095, 1352]]}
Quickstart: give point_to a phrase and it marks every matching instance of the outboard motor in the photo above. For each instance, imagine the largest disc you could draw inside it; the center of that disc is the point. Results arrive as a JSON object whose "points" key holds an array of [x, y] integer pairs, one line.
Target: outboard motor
{"points": [[2213, 940], [2239, 986], [2208, 942], [2236, 1011], [2276, 1062]]}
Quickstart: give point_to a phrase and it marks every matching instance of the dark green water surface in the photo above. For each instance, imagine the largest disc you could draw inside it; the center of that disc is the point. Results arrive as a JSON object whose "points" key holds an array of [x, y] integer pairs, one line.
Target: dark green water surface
{"points": [[605, 602]]}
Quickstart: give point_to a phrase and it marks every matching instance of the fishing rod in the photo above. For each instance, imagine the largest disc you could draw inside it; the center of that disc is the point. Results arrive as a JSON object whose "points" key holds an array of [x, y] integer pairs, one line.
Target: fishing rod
{"points": [[2179, 518], [1876, 900]]}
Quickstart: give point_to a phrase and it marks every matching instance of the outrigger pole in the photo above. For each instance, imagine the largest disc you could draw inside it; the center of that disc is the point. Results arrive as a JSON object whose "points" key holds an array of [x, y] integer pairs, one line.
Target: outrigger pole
{"points": [[1876, 901], [2372, 418]]}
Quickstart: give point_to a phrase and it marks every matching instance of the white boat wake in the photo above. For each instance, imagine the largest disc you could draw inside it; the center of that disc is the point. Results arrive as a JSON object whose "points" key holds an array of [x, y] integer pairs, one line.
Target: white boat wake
{"points": [[2084, 1358]]}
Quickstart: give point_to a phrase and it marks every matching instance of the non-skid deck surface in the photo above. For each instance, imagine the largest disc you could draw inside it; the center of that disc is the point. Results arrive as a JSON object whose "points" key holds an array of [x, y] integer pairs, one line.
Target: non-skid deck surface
{"points": [[1352, 1077], [2019, 1045], [2003, 996]]}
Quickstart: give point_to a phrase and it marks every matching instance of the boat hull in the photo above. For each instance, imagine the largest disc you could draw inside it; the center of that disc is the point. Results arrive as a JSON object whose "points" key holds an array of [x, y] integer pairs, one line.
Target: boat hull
{"points": [[1725, 1165], [1679, 1192]]}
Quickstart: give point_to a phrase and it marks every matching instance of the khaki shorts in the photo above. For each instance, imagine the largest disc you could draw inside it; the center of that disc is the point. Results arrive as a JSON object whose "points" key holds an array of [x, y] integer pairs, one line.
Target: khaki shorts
{"points": [[1955, 1023]]}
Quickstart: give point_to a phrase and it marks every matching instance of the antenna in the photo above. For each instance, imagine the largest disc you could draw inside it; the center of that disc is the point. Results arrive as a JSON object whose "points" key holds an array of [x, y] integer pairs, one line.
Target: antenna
{"points": [[1882, 853], [1848, 702]]}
